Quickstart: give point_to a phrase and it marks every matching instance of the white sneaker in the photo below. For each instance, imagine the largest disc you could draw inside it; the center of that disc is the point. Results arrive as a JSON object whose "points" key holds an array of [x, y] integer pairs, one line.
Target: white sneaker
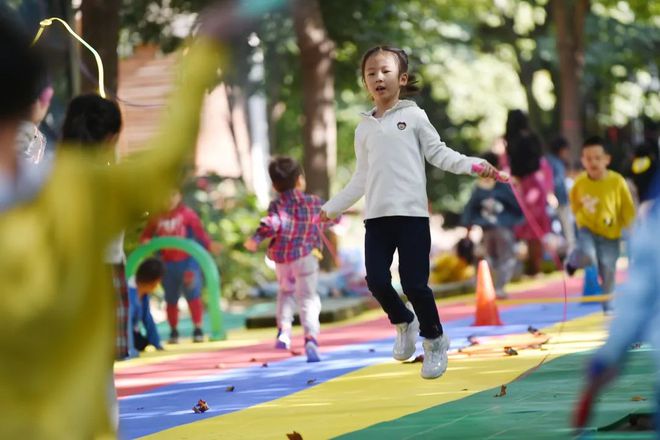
{"points": [[435, 357], [406, 337], [283, 341]]}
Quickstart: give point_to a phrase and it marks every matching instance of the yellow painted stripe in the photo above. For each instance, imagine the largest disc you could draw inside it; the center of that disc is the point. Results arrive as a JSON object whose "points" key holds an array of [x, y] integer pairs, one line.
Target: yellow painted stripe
{"points": [[384, 392], [548, 300]]}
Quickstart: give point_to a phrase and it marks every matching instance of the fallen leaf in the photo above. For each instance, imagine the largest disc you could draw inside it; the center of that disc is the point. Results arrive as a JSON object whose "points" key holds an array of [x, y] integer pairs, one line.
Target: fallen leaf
{"points": [[311, 381], [464, 389], [295, 353], [264, 365], [220, 366], [509, 351], [638, 398], [201, 407], [253, 360], [294, 436], [230, 388], [502, 391]]}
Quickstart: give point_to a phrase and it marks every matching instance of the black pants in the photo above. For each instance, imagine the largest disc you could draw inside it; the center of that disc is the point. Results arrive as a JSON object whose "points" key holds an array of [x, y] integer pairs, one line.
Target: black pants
{"points": [[412, 238]]}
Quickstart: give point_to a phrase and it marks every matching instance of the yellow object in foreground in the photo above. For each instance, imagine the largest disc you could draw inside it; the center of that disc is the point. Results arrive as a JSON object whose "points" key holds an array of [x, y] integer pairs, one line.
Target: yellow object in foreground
{"points": [[56, 307], [360, 399]]}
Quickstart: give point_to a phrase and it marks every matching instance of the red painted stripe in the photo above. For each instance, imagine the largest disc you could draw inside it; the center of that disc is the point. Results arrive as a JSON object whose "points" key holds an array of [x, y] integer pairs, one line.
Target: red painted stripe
{"points": [[142, 378]]}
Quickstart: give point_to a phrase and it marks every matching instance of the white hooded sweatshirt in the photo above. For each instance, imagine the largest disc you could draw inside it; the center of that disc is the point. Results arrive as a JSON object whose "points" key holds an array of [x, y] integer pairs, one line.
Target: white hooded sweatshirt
{"points": [[390, 171]]}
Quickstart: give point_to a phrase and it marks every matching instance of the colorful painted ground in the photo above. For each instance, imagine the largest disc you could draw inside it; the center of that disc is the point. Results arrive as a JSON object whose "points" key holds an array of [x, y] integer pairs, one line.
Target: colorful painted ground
{"points": [[358, 392]]}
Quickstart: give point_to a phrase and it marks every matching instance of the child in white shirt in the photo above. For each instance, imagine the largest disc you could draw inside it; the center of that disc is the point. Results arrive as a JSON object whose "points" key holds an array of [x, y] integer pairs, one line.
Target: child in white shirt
{"points": [[392, 143]]}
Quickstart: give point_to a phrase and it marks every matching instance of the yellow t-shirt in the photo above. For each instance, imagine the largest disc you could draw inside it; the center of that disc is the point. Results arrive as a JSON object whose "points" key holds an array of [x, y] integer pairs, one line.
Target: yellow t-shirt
{"points": [[603, 206], [56, 306]]}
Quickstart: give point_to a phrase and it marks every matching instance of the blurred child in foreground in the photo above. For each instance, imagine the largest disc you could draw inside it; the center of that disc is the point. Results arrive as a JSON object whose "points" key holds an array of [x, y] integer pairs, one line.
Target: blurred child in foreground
{"points": [[57, 342], [636, 316]]}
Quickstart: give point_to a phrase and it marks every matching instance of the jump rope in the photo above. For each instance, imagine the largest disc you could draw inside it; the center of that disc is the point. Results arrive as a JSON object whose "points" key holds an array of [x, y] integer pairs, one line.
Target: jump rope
{"points": [[584, 407]]}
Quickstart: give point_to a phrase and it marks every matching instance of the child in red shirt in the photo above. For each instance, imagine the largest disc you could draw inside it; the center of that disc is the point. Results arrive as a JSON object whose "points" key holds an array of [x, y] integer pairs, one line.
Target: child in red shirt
{"points": [[182, 273]]}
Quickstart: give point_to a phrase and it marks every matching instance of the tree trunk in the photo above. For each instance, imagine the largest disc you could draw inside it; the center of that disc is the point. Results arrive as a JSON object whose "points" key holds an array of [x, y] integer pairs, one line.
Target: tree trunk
{"points": [[100, 28], [317, 53], [569, 18], [319, 126]]}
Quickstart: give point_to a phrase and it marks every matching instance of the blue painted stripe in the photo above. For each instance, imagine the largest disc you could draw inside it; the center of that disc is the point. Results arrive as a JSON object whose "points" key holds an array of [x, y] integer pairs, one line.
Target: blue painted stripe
{"points": [[171, 405]]}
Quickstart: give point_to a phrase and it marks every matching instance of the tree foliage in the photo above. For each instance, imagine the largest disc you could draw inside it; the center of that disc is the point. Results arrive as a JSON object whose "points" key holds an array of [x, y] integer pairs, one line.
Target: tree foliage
{"points": [[476, 59]]}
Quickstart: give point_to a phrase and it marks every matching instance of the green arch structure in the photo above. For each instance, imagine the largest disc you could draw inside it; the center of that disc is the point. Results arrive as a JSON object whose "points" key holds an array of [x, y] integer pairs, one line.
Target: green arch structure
{"points": [[209, 269]]}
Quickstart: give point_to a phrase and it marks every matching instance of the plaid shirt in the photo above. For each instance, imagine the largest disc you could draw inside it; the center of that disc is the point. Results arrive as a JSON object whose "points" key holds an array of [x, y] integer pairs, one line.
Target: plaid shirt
{"points": [[290, 225]]}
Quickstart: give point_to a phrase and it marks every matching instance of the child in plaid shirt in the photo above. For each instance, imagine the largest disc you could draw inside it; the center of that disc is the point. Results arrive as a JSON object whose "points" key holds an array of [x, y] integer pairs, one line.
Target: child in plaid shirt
{"points": [[290, 224]]}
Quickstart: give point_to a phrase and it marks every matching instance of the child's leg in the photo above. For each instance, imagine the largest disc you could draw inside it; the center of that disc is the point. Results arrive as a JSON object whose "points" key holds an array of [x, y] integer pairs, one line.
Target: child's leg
{"points": [[535, 256], [379, 247], [286, 302], [607, 253], [172, 283], [306, 272], [192, 289], [414, 244], [499, 246], [584, 253]]}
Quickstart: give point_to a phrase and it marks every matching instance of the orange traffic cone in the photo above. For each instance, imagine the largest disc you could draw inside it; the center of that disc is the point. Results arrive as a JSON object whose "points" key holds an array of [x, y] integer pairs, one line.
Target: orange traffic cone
{"points": [[486, 313]]}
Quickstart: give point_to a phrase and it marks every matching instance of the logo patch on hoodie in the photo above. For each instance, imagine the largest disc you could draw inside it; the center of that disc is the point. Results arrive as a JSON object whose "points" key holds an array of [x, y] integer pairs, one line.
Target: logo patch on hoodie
{"points": [[401, 125]]}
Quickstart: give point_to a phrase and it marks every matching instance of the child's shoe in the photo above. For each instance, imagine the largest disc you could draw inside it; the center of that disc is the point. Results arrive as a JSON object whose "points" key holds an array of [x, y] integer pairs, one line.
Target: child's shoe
{"points": [[283, 340], [570, 269], [312, 350], [435, 357], [198, 335], [174, 337], [406, 336]]}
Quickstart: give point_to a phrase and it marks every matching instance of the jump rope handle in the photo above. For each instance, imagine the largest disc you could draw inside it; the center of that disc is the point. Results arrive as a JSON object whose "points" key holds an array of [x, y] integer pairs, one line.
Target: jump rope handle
{"points": [[477, 168]]}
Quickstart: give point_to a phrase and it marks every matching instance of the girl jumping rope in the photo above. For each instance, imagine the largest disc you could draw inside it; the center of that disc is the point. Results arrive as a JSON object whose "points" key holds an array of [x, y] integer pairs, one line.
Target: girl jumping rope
{"points": [[392, 142]]}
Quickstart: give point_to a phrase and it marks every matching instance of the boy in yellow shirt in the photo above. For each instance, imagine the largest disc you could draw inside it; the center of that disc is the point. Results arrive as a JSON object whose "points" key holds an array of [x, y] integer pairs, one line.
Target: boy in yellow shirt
{"points": [[603, 207]]}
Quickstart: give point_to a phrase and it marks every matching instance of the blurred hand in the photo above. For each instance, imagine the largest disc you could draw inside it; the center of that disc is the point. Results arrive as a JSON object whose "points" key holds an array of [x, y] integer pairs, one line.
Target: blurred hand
{"points": [[323, 217], [488, 171], [227, 20], [251, 245]]}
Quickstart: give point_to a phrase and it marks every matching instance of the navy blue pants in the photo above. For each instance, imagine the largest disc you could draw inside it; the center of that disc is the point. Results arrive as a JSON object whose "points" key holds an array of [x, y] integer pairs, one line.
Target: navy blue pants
{"points": [[412, 238]]}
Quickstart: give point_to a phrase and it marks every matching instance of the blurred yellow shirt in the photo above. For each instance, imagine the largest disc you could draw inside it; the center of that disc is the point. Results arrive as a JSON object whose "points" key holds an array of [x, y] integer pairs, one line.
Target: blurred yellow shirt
{"points": [[57, 307], [604, 206]]}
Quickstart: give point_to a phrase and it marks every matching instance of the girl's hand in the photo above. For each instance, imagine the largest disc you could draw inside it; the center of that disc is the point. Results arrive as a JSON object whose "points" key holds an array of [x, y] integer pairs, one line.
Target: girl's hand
{"points": [[323, 217], [486, 170]]}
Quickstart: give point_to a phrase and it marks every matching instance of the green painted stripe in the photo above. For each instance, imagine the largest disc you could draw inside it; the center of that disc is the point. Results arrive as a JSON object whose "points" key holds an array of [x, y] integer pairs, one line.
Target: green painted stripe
{"points": [[538, 406]]}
